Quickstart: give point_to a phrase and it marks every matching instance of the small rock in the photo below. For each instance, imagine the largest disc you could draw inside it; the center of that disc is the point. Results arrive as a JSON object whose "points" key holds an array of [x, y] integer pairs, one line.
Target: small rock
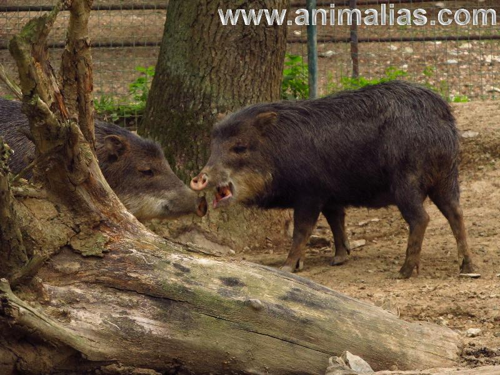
{"points": [[490, 58], [442, 321], [319, 241], [337, 366], [440, 4], [408, 50], [473, 332], [298, 32], [363, 223], [326, 54], [466, 46], [469, 134], [232, 252], [393, 48], [496, 334], [356, 363], [470, 275], [255, 304], [357, 243], [452, 62], [494, 89]]}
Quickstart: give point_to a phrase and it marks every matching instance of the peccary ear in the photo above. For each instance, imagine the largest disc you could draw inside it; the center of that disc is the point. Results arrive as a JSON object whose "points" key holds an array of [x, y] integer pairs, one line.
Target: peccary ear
{"points": [[115, 146], [221, 116], [264, 120]]}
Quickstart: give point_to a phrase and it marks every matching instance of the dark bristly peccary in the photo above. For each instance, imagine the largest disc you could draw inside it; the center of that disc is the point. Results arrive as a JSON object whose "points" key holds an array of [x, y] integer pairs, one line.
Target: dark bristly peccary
{"points": [[135, 168], [389, 144]]}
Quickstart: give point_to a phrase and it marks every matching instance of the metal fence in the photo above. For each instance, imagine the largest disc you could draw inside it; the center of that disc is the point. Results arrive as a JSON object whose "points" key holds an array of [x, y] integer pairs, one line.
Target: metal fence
{"points": [[461, 62]]}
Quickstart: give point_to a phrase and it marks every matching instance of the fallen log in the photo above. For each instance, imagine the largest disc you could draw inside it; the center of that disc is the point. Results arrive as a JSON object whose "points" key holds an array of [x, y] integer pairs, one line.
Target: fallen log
{"points": [[150, 305]]}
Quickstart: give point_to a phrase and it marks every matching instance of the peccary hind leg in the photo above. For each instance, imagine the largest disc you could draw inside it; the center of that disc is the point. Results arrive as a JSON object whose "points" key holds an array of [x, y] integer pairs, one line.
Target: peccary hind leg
{"points": [[449, 206], [336, 219]]}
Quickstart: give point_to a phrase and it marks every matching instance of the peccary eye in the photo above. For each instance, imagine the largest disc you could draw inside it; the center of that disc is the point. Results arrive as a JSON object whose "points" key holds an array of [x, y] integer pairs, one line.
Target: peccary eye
{"points": [[239, 149], [148, 172]]}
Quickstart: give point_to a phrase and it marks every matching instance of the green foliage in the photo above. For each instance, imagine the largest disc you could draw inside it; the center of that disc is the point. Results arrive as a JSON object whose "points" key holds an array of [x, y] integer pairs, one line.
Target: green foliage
{"points": [[295, 78], [8, 97], [392, 73], [442, 88], [350, 83], [460, 99], [131, 107], [139, 89]]}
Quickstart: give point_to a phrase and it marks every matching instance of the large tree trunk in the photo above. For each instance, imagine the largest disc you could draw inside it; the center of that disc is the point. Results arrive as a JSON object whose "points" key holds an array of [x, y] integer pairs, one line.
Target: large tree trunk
{"points": [[206, 69]]}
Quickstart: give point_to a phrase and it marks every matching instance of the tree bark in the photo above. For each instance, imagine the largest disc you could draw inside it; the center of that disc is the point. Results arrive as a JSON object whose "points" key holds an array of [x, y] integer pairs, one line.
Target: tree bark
{"points": [[13, 255], [76, 70], [206, 69], [63, 135]]}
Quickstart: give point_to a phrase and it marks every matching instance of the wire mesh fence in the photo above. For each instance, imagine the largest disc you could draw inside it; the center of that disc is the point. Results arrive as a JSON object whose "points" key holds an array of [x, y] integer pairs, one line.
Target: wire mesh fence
{"points": [[460, 62]]}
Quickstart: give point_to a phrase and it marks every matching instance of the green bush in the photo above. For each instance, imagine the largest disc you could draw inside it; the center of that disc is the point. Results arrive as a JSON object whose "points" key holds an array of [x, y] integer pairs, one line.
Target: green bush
{"points": [[295, 84], [127, 109], [350, 83]]}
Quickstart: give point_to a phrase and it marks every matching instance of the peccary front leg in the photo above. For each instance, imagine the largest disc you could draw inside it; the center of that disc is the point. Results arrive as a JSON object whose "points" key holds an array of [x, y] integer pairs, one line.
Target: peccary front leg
{"points": [[305, 216], [410, 203], [336, 219]]}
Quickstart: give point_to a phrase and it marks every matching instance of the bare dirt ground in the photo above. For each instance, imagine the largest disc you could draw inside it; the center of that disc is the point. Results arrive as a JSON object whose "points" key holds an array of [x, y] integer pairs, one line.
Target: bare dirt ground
{"points": [[437, 294]]}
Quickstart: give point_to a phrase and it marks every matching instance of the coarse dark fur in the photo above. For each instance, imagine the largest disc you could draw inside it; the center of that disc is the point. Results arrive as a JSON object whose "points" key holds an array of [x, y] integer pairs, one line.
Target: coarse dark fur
{"points": [[134, 167], [351, 148], [389, 144]]}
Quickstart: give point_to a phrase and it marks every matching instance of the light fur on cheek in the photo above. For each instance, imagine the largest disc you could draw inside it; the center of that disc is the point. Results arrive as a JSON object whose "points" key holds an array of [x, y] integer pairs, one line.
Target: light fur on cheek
{"points": [[249, 185], [145, 207]]}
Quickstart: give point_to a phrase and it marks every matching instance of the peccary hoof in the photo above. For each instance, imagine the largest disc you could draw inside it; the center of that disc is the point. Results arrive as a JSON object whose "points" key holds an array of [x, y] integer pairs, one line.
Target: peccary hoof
{"points": [[467, 267], [288, 268], [339, 259]]}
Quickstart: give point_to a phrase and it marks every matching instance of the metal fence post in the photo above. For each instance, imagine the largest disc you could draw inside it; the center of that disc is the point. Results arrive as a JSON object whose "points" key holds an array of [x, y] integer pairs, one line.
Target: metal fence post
{"points": [[312, 51], [354, 42]]}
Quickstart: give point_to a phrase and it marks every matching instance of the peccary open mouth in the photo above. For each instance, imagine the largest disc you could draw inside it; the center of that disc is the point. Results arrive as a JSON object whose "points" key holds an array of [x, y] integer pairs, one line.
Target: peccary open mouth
{"points": [[223, 195]]}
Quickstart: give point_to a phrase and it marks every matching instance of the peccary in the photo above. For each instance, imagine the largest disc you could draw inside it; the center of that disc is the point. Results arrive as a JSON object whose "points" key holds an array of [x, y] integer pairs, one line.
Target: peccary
{"points": [[135, 168], [393, 143]]}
